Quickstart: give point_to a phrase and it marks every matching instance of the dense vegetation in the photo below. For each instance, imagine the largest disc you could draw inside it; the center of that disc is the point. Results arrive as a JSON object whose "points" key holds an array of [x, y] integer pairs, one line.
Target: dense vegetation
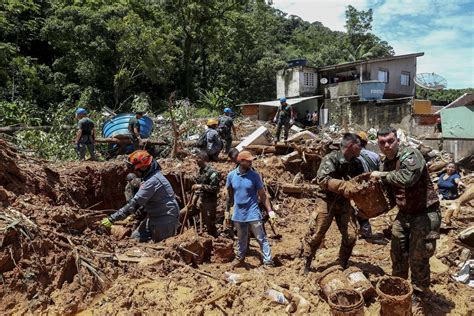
{"points": [[56, 55], [441, 97]]}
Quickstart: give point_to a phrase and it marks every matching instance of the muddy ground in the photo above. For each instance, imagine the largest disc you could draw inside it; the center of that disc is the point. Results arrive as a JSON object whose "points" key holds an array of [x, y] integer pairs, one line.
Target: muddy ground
{"points": [[53, 259]]}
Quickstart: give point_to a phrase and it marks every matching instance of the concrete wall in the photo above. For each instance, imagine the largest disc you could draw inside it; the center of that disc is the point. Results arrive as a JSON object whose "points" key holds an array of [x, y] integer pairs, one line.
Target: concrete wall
{"points": [[346, 88], [395, 68], [290, 82], [367, 114]]}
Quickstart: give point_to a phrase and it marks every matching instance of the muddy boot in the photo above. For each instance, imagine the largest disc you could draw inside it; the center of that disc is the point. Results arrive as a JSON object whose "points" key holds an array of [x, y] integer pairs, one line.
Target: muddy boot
{"points": [[344, 263], [238, 262], [417, 303]]}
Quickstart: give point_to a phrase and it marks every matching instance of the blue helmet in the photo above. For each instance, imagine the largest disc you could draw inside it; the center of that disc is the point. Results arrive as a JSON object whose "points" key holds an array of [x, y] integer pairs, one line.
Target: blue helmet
{"points": [[282, 100], [227, 110], [81, 111]]}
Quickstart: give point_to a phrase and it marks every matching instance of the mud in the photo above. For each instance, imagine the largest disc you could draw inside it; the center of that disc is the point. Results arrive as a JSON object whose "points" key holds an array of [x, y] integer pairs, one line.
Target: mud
{"points": [[55, 261]]}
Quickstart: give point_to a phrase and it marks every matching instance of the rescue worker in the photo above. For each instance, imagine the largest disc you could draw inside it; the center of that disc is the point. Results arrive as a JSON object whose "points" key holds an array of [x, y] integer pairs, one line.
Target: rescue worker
{"points": [[284, 118], [245, 187], [85, 136], [134, 129], [232, 154], [335, 168], [227, 129], [133, 184], [371, 162], [155, 195], [210, 140], [416, 226], [206, 190]]}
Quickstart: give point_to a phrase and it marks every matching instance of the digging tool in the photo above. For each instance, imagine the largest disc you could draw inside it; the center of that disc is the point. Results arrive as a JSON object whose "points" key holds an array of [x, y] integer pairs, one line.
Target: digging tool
{"points": [[191, 203], [275, 234]]}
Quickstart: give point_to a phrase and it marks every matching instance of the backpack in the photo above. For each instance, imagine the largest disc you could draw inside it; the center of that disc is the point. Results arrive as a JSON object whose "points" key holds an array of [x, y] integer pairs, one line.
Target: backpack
{"points": [[224, 127], [202, 140]]}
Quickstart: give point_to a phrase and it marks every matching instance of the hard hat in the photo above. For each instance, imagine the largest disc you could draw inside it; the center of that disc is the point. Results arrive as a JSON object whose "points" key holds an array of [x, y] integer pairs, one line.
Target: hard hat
{"points": [[81, 111], [131, 176], [363, 136], [140, 159], [245, 155], [227, 110], [211, 122], [282, 100]]}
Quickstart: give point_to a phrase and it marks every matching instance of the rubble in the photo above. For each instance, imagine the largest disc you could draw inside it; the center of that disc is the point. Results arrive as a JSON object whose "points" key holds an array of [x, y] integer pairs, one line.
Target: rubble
{"points": [[53, 260]]}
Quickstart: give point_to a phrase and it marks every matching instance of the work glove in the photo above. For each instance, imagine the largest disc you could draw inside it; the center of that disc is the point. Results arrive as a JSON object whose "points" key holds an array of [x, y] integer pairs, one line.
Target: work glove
{"points": [[106, 222], [196, 187], [378, 174], [272, 216], [344, 188]]}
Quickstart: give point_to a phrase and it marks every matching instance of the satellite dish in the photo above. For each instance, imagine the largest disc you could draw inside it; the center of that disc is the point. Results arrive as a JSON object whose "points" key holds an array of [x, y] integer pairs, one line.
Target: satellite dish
{"points": [[430, 81], [323, 80]]}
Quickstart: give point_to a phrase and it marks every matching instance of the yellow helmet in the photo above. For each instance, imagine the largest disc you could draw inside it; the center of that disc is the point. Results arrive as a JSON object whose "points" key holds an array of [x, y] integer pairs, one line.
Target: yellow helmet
{"points": [[211, 122], [363, 136]]}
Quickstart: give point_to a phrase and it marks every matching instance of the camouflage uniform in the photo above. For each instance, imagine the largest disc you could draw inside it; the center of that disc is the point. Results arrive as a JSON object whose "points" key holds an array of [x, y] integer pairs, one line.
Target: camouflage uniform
{"points": [[416, 227], [132, 187], [330, 205], [209, 178], [225, 130]]}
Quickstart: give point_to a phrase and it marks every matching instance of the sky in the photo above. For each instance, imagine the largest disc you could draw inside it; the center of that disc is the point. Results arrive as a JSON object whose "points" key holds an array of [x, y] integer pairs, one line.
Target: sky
{"points": [[442, 29]]}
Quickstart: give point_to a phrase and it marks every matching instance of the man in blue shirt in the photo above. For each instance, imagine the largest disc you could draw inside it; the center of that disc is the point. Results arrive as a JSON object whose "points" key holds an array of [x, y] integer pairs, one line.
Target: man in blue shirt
{"points": [[245, 187], [156, 196]]}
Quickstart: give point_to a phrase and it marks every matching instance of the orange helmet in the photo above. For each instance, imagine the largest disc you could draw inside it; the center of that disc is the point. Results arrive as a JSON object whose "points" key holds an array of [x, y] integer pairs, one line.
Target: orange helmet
{"points": [[140, 159]]}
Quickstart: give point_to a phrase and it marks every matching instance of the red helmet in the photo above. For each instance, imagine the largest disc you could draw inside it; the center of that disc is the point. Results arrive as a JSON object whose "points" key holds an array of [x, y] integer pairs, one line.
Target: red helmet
{"points": [[140, 159]]}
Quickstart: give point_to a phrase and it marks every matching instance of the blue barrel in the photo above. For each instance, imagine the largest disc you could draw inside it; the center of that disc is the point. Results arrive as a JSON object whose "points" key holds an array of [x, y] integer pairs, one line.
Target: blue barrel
{"points": [[118, 125], [371, 90]]}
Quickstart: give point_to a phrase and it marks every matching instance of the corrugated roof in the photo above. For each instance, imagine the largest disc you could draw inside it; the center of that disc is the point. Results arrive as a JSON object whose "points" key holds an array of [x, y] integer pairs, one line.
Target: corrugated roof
{"points": [[369, 61], [276, 103]]}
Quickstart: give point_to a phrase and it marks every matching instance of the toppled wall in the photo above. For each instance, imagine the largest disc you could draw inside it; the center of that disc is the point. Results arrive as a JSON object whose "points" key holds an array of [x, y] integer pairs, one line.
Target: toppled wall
{"points": [[367, 114]]}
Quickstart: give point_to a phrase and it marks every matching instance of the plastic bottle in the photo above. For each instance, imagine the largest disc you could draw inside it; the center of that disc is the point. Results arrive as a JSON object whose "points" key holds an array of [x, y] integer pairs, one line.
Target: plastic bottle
{"points": [[275, 296], [233, 278]]}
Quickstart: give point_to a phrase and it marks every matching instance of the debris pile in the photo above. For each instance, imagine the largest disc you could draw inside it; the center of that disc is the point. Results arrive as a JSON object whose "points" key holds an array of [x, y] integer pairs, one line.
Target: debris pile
{"points": [[53, 259]]}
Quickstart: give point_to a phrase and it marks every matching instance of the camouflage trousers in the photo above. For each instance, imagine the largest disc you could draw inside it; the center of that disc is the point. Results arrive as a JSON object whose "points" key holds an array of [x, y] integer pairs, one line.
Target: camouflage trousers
{"points": [[413, 243], [206, 205], [320, 221]]}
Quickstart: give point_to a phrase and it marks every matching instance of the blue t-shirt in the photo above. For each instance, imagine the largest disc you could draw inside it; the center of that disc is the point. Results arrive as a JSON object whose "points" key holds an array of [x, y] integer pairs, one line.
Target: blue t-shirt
{"points": [[448, 188], [245, 188]]}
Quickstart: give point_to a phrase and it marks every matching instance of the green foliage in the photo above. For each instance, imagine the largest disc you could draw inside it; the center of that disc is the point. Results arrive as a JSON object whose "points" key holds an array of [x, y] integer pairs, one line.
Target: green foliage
{"points": [[216, 99], [441, 96], [130, 55], [19, 113]]}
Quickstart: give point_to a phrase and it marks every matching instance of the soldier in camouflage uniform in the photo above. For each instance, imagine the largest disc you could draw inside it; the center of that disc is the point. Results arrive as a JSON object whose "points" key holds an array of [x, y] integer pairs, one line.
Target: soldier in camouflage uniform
{"points": [[335, 168], [133, 184], [416, 227], [206, 189]]}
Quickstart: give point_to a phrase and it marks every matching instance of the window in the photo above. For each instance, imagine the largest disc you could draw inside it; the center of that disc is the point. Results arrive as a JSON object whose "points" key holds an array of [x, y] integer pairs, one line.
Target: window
{"points": [[383, 75], [308, 79], [405, 78]]}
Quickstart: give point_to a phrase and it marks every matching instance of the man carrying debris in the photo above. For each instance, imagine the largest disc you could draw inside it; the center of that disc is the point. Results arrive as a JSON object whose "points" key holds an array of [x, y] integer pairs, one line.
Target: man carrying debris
{"points": [[416, 227], [85, 136], [335, 168], [134, 129], [226, 129], [284, 118], [205, 192], [371, 162], [245, 187], [155, 195], [210, 140]]}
